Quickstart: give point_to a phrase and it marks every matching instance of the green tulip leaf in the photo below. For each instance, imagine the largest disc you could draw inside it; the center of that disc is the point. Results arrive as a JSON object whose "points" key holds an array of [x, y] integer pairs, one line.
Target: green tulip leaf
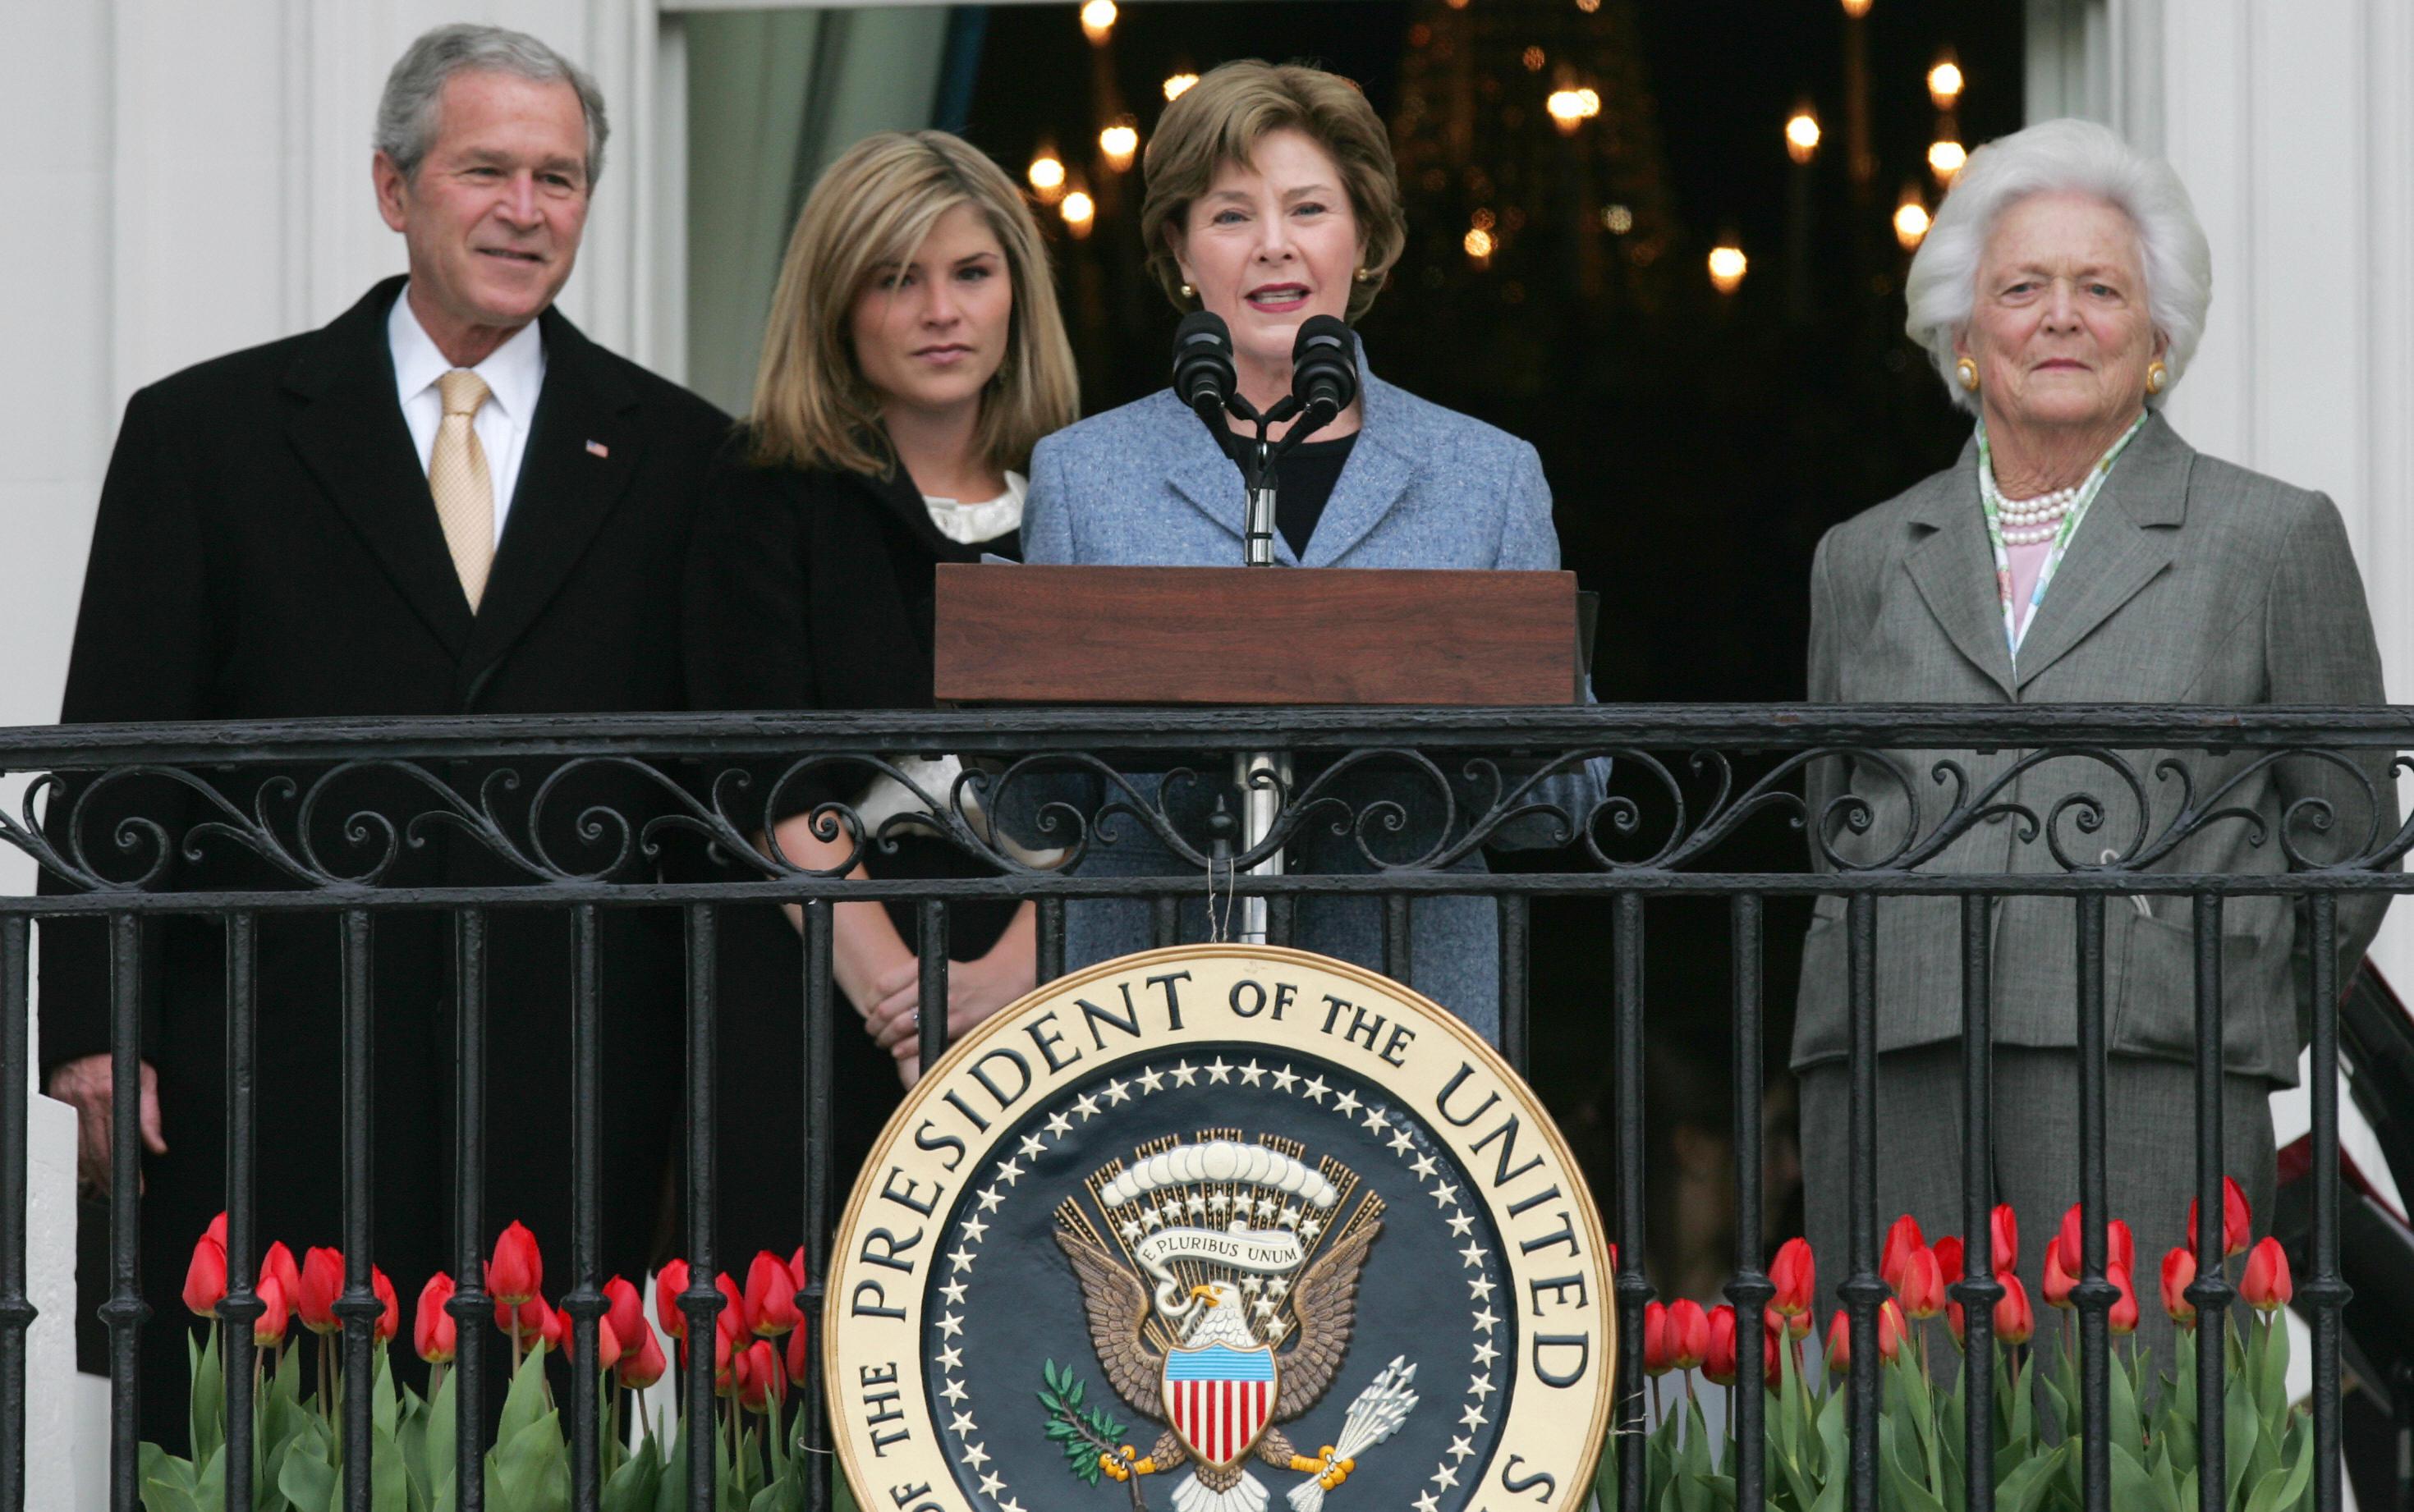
{"points": [[525, 1404], [206, 1413], [2024, 1489], [1899, 1473], [385, 1407], [438, 1446], [2270, 1374], [169, 1496], [389, 1482], [530, 1472], [307, 1480], [2131, 1486], [637, 1483], [2240, 1429], [2129, 1431]]}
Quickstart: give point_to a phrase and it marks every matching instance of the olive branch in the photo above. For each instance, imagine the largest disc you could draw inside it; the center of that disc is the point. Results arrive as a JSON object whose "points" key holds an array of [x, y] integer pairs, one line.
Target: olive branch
{"points": [[1089, 1435]]}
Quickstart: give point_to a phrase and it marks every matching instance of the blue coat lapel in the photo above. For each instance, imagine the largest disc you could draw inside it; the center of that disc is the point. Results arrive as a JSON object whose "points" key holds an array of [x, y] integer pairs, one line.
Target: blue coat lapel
{"points": [[1202, 473], [1376, 475]]}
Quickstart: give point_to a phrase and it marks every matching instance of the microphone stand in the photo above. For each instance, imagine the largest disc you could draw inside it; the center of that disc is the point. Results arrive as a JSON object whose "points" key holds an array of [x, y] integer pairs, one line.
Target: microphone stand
{"points": [[1263, 777]]}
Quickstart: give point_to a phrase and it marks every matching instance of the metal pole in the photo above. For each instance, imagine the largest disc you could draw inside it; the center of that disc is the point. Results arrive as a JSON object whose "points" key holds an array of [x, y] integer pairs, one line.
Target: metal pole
{"points": [[1261, 799]]}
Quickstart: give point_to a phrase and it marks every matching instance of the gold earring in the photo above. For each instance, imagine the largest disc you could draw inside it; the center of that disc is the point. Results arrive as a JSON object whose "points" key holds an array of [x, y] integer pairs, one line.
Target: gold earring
{"points": [[2158, 377], [1189, 293], [1366, 274], [1968, 372]]}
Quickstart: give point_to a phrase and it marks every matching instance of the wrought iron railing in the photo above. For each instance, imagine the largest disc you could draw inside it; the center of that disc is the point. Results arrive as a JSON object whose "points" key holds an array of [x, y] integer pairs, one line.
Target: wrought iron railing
{"points": [[1686, 783]]}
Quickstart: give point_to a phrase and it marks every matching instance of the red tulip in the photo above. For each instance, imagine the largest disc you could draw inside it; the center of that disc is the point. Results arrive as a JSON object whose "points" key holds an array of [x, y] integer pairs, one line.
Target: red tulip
{"points": [[1922, 1283], [668, 1282], [2119, 1247], [1688, 1333], [737, 1308], [1773, 1330], [2266, 1285], [643, 1366], [1719, 1355], [1658, 1355], [516, 1272], [770, 1295], [1796, 1276], [1948, 1258], [607, 1343], [796, 1264], [1839, 1343], [2124, 1308], [2014, 1320], [759, 1385], [724, 1379], [389, 1320], [1903, 1237], [1892, 1331], [217, 1229], [268, 1329], [278, 1262], [795, 1359], [323, 1283], [2005, 1229], [556, 1326], [205, 1279], [2058, 1279], [2179, 1271], [1953, 1320], [434, 1335], [628, 1311], [2237, 1219], [526, 1320]]}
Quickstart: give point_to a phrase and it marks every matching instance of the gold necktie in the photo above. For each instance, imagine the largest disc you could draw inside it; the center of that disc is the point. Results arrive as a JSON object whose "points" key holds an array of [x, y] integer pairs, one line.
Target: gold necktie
{"points": [[457, 475]]}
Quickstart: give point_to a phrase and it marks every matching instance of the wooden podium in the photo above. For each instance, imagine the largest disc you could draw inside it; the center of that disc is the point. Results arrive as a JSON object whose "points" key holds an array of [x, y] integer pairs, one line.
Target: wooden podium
{"points": [[1256, 635]]}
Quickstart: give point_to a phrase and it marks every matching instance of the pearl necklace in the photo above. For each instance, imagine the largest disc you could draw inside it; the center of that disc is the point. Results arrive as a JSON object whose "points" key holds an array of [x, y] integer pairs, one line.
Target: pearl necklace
{"points": [[2031, 522]]}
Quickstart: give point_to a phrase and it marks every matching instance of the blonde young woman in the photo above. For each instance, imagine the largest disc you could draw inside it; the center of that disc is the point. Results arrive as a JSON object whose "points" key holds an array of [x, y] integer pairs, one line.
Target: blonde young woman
{"points": [[914, 356]]}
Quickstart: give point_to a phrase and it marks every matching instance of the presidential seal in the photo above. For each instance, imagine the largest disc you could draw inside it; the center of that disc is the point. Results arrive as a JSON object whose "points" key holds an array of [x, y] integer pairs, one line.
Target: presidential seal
{"points": [[1214, 1229]]}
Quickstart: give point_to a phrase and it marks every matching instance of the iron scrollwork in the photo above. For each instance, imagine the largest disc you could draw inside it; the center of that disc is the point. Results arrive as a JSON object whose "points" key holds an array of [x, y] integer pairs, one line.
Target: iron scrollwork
{"points": [[1394, 808]]}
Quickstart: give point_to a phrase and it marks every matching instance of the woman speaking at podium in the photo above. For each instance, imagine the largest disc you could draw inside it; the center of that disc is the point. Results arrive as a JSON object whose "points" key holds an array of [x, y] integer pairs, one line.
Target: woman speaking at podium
{"points": [[1272, 198], [913, 355]]}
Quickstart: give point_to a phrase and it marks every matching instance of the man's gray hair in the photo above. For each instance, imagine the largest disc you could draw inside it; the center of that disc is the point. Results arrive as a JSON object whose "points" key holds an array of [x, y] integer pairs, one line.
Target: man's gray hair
{"points": [[2067, 156], [414, 91]]}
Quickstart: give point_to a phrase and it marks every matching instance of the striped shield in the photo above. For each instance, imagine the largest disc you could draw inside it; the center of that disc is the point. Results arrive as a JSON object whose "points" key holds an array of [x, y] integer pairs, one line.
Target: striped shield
{"points": [[1219, 1399]]}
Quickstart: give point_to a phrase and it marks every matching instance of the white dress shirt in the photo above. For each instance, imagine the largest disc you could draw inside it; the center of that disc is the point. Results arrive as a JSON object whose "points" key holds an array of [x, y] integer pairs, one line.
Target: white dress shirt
{"points": [[514, 375]]}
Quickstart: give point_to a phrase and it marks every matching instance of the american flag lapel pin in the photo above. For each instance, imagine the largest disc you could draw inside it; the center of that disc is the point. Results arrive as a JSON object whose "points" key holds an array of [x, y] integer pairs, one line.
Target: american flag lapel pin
{"points": [[597, 448]]}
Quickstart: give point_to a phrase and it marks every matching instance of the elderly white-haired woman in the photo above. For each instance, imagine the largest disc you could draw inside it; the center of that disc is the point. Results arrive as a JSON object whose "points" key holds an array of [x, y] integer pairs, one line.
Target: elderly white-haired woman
{"points": [[2077, 552]]}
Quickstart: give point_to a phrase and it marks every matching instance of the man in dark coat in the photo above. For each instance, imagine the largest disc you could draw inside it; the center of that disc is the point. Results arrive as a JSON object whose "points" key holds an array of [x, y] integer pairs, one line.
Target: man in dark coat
{"points": [[446, 502]]}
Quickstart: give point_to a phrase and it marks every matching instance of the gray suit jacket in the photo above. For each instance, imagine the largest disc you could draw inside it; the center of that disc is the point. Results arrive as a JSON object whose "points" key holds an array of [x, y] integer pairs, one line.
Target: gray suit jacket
{"points": [[2190, 581], [1424, 488]]}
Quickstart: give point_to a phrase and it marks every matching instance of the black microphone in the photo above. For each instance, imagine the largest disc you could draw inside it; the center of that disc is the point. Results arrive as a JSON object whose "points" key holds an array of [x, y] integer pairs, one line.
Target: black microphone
{"points": [[1202, 366], [1324, 371]]}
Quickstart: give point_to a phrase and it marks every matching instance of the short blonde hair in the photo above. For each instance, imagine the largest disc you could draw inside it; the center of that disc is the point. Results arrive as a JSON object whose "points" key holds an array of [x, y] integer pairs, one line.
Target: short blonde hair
{"points": [[876, 205], [1223, 117]]}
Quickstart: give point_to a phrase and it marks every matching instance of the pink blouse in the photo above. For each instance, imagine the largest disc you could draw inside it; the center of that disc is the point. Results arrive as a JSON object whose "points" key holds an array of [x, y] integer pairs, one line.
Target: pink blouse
{"points": [[2027, 562]]}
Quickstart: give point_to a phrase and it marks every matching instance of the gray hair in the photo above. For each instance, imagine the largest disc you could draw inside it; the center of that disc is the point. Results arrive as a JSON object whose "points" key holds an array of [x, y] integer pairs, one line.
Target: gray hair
{"points": [[2067, 156], [406, 117]]}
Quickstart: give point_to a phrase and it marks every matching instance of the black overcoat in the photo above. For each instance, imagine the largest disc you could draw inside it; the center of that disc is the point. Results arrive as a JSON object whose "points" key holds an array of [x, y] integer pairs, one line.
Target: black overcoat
{"points": [[266, 548], [812, 590]]}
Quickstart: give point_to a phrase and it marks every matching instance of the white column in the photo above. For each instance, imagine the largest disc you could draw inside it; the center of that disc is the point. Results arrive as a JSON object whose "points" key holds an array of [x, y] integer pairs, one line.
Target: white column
{"points": [[2293, 126]]}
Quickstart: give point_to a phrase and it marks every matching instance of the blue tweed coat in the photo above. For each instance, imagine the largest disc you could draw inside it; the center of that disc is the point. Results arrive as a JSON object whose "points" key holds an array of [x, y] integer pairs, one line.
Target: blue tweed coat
{"points": [[1424, 488]]}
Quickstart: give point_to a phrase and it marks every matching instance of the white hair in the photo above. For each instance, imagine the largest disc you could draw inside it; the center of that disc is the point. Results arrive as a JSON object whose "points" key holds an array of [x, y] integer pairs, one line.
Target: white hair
{"points": [[407, 112], [2067, 156]]}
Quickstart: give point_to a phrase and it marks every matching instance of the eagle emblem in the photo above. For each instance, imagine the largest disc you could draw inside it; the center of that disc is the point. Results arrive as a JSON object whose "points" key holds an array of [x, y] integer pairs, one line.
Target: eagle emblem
{"points": [[1220, 1291]]}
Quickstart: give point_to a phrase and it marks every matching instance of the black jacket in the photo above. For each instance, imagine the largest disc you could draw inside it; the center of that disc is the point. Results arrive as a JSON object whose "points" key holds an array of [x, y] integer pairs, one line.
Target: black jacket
{"points": [[812, 590], [266, 548]]}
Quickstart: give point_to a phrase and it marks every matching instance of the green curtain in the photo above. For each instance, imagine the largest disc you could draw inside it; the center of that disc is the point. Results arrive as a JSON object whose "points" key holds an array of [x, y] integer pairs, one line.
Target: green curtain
{"points": [[773, 95]]}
